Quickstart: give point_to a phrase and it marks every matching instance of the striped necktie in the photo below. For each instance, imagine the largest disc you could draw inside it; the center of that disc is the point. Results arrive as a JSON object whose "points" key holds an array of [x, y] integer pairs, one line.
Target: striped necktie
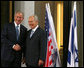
{"points": [[17, 32], [31, 33]]}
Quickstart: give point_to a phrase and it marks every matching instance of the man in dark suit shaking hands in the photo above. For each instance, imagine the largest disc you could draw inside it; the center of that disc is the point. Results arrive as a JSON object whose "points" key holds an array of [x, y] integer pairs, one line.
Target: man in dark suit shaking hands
{"points": [[35, 49], [13, 38]]}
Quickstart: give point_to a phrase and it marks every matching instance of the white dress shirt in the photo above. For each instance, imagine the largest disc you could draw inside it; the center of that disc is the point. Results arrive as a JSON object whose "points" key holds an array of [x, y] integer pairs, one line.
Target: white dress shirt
{"points": [[35, 28], [16, 26]]}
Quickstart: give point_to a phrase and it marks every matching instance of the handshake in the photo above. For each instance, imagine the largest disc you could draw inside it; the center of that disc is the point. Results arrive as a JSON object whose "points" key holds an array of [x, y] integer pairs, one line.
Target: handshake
{"points": [[17, 47]]}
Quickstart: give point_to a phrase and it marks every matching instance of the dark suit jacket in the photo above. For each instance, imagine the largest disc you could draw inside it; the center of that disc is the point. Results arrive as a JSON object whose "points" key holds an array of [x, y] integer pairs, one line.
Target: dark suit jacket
{"points": [[8, 39], [35, 47]]}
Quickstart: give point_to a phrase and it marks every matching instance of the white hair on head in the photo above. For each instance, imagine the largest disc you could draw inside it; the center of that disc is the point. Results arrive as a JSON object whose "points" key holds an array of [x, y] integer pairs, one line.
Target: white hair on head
{"points": [[35, 17]]}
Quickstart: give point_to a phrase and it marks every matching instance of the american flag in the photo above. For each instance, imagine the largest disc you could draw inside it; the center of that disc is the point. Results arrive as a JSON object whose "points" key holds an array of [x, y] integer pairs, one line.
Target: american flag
{"points": [[52, 56]]}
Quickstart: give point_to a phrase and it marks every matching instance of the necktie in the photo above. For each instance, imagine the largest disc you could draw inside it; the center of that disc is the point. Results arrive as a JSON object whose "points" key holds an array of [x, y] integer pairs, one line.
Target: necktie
{"points": [[31, 33], [17, 32]]}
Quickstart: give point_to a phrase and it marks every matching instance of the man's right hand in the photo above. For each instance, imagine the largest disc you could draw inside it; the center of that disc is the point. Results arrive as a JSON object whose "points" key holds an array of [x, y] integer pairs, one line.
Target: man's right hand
{"points": [[17, 47]]}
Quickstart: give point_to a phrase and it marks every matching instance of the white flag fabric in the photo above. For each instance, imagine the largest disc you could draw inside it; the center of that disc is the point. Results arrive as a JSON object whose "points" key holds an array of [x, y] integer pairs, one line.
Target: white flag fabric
{"points": [[72, 60], [52, 56]]}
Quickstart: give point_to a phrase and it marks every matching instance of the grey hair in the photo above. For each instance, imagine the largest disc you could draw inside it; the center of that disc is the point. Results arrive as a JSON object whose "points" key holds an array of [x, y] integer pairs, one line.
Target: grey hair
{"points": [[19, 12], [36, 18]]}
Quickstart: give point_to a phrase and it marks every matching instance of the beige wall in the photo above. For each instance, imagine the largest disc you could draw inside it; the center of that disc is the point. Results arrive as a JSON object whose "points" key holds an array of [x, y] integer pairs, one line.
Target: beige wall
{"points": [[80, 31]]}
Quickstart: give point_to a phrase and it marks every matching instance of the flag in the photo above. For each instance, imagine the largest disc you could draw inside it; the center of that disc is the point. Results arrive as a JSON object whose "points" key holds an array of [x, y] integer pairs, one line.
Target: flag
{"points": [[72, 60], [52, 56]]}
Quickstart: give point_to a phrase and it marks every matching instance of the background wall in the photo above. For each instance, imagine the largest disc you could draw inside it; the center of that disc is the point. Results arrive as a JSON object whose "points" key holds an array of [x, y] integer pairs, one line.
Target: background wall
{"points": [[80, 31]]}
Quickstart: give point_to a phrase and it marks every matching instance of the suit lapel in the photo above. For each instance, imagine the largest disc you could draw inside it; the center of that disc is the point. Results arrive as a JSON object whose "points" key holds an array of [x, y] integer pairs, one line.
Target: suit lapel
{"points": [[14, 30], [21, 30]]}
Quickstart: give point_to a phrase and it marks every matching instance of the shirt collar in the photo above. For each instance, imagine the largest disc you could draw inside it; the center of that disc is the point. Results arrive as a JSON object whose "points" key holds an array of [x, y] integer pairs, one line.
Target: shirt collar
{"points": [[35, 28], [16, 24]]}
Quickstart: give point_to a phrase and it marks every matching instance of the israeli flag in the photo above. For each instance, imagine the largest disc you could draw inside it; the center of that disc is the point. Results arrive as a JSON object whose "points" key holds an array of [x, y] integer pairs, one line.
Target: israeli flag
{"points": [[72, 60]]}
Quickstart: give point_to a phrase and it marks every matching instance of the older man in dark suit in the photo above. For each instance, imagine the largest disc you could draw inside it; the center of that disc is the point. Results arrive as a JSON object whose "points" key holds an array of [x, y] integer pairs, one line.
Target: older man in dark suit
{"points": [[35, 49], [13, 38]]}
